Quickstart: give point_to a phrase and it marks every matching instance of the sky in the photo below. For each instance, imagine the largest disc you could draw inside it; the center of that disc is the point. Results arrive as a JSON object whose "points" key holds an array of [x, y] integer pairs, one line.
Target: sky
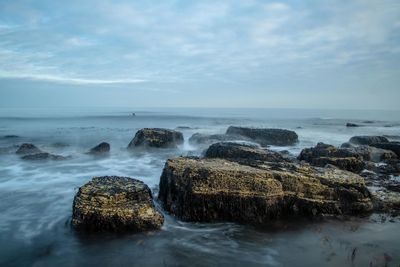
{"points": [[264, 54]]}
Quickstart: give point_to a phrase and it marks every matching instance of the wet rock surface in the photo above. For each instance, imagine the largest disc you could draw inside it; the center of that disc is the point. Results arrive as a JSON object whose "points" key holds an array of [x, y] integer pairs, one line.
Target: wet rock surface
{"points": [[27, 148], [100, 149], [393, 146], [156, 137], [43, 156], [243, 153], [115, 204], [207, 190], [323, 154], [265, 137], [208, 139], [367, 140]]}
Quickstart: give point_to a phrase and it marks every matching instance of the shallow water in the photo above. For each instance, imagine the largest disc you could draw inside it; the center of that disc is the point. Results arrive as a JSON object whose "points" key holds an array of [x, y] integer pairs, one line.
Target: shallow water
{"points": [[36, 197]]}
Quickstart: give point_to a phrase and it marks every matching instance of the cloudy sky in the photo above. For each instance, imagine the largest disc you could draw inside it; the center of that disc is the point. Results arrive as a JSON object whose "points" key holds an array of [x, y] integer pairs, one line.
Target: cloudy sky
{"points": [[296, 54]]}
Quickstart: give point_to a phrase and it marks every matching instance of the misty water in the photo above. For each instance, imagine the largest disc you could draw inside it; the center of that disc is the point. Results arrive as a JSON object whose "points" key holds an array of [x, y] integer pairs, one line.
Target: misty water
{"points": [[36, 197]]}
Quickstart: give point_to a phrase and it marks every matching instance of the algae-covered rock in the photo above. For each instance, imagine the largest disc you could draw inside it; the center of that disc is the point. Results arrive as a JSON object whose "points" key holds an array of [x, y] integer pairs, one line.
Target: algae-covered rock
{"points": [[265, 137], [156, 137], [115, 204], [206, 190]]}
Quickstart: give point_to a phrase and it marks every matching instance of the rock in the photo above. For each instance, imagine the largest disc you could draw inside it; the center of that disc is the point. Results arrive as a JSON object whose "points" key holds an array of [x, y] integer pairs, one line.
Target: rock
{"points": [[101, 148], [26, 148], [208, 139], [115, 204], [265, 137], [369, 153], [156, 137], [208, 190], [43, 156], [11, 136], [393, 146], [368, 140], [323, 154], [349, 124], [243, 153], [387, 202]]}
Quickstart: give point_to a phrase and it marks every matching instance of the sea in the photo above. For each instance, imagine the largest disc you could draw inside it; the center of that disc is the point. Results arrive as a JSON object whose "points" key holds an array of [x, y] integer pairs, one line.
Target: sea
{"points": [[36, 197]]}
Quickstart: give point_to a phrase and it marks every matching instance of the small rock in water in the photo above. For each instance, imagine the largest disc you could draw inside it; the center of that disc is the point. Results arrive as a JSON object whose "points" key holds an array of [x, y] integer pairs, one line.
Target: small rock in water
{"points": [[115, 204], [11, 136], [265, 137], [156, 137], [349, 124], [101, 148], [27, 148]]}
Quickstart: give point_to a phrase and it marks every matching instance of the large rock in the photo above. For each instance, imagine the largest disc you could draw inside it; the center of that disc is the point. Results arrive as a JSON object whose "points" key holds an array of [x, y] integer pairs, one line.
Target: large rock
{"points": [[393, 146], [243, 153], [115, 204], [265, 137], [368, 140], [27, 148], [323, 154], [100, 149], [156, 137], [206, 190]]}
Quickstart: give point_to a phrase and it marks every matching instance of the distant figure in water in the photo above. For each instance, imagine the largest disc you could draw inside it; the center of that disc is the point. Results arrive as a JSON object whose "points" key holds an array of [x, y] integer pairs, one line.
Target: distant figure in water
{"points": [[133, 114]]}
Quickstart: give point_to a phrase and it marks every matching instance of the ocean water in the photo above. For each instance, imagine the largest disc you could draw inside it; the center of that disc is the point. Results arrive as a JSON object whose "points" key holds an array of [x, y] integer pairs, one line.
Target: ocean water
{"points": [[36, 197]]}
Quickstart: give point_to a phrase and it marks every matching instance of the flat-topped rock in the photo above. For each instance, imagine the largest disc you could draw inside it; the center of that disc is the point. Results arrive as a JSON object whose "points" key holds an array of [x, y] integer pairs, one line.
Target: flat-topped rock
{"points": [[265, 137], [27, 148], [100, 149], [156, 137], [243, 153], [207, 190], [115, 204], [368, 139]]}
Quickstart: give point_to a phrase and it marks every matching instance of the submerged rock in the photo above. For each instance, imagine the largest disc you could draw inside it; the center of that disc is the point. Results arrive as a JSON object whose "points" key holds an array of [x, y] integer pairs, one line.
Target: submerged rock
{"points": [[101, 148], [10, 136], [393, 146], [349, 124], [243, 153], [208, 139], [156, 137], [115, 204], [368, 140], [265, 137], [207, 190], [43, 156], [27, 148], [323, 154]]}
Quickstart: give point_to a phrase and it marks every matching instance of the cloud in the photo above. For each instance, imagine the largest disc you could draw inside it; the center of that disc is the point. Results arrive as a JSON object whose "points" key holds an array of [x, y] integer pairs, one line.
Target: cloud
{"points": [[249, 43]]}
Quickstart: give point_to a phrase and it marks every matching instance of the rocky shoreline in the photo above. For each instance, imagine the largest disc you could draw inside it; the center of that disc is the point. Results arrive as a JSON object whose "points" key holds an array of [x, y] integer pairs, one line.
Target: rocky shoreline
{"points": [[239, 179]]}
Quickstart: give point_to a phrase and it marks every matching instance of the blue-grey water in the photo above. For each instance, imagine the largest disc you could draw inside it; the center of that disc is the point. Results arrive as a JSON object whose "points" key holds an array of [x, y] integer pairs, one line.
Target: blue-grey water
{"points": [[36, 197]]}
